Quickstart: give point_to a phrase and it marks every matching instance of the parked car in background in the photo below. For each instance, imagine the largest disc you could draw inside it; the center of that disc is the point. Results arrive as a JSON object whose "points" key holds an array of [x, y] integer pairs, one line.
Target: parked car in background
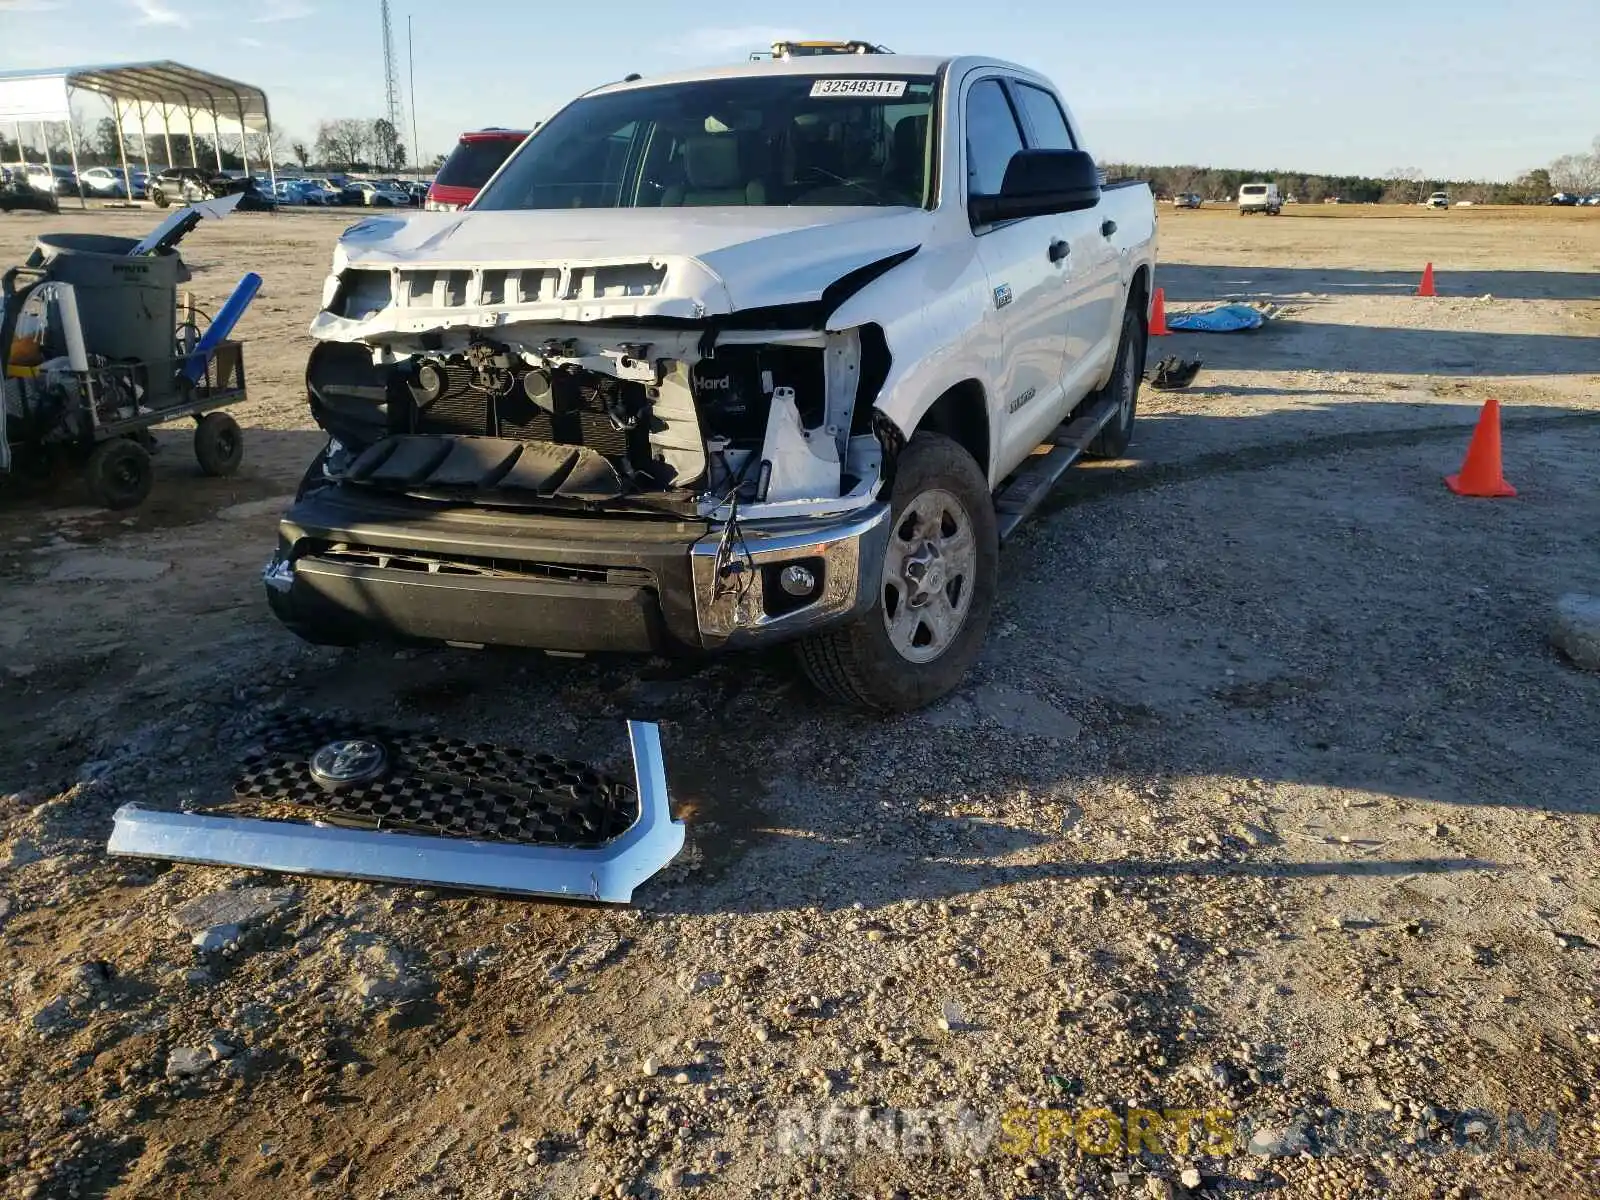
{"points": [[56, 181], [181, 185], [477, 156], [1565, 199], [1260, 198], [400, 188], [1187, 200], [1439, 200], [17, 192], [106, 181], [374, 194], [304, 191]]}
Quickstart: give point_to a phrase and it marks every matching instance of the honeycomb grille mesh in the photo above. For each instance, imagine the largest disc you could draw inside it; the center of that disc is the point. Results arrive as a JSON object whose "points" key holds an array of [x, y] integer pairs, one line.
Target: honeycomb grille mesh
{"points": [[442, 786]]}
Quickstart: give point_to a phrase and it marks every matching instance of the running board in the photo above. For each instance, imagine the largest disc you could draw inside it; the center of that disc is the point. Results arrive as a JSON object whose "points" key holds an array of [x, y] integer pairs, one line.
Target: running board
{"points": [[607, 873], [1021, 495]]}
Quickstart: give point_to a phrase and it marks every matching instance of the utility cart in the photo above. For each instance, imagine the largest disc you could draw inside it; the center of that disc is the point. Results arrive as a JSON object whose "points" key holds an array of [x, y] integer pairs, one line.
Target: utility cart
{"points": [[95, 352]]}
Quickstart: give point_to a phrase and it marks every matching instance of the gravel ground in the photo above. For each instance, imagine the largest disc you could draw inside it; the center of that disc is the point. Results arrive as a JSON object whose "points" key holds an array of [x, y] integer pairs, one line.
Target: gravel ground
{"points": [[1270, 800]]}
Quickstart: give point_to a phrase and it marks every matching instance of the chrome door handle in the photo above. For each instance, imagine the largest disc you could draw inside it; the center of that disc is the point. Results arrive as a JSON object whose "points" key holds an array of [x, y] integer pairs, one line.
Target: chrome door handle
{"points": [[1059, 250]]}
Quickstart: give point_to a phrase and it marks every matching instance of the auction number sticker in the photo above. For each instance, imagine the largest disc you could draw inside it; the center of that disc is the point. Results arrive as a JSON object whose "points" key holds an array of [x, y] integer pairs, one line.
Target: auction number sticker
{"points": [[855, 86]]}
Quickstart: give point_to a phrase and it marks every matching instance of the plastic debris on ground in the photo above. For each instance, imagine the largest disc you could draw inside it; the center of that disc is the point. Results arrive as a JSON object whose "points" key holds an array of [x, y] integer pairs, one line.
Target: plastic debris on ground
{"points": [[1229, 318]]}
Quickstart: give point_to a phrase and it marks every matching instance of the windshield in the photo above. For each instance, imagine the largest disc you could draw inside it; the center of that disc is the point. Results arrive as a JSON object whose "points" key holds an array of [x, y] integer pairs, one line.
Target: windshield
{"points": [[760, 141], [472, 162]]}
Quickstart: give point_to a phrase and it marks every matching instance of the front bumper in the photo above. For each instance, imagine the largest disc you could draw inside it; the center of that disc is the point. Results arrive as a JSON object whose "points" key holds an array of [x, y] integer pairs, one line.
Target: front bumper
{"points": [[356, 565]]}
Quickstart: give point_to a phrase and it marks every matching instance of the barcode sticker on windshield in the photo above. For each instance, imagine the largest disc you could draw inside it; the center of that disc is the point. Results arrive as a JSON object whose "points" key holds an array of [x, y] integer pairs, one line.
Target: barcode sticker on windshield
{"points": [[851, 86]]}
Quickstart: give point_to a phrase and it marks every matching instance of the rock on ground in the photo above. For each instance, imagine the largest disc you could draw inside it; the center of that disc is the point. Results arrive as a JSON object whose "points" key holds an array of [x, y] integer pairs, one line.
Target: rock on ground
{"points": [[1576, 631]]}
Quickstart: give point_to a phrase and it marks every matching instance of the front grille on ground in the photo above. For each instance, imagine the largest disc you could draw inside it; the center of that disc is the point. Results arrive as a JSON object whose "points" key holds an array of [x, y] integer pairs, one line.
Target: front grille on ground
{"points": [[440, 785]]}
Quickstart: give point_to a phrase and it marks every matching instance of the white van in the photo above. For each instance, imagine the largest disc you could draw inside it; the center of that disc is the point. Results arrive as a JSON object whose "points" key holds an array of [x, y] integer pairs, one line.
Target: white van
{"points": [[1260, 197]]}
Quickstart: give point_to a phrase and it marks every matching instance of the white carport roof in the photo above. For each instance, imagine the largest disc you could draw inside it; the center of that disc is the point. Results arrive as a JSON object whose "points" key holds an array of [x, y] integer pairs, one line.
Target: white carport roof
{"points": [[140, 90]]}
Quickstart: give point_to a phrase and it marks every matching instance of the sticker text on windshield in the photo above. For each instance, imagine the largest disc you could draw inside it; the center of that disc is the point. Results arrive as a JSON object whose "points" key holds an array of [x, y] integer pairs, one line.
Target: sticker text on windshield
{"points": [[859, 87]]}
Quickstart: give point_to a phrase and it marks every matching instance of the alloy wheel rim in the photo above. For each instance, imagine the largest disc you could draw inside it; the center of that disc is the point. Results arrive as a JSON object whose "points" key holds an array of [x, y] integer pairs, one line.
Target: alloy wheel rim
{"points": [[928, 576]]}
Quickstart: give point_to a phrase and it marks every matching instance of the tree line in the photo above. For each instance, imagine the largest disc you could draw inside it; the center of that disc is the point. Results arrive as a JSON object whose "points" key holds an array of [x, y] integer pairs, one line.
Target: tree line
{"points": [[1575, 173]]}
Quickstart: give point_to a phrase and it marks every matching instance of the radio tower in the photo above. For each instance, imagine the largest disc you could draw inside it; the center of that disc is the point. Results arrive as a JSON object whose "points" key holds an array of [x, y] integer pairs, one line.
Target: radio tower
{"points": [[391, 86]]}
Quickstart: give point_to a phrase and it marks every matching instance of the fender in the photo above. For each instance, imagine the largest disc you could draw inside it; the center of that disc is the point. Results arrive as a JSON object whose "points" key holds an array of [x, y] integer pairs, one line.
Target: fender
{"points": [[925, 307]]}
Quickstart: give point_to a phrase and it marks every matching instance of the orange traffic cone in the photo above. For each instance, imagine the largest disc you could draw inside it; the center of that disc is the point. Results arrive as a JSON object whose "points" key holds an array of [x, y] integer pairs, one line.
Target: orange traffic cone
{"points": [[1426, 287], [1480, 473], [1158, 315]]}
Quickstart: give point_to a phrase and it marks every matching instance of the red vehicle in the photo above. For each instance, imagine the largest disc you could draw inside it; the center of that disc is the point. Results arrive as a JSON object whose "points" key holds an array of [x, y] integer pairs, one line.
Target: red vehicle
{"points": [[477, 156]]}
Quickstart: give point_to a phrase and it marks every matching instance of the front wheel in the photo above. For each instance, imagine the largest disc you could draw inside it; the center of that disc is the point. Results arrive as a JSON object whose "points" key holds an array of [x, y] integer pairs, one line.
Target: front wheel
{"points": [[159, 197], [935, 589]]}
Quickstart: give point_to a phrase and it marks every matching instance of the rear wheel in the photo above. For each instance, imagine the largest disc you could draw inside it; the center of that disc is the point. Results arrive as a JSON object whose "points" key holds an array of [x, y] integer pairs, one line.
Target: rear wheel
{"points": [[935, 589], [120, 473], [1112, 441]]}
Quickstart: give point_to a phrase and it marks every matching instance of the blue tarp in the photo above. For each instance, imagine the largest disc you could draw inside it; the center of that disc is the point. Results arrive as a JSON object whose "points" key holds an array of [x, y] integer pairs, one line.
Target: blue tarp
{"points": [[1230, 318]]}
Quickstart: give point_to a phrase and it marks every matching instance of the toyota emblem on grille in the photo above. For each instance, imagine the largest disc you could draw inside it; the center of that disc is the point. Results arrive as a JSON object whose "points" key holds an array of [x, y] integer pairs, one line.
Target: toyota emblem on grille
{"points": [[351, 760]]}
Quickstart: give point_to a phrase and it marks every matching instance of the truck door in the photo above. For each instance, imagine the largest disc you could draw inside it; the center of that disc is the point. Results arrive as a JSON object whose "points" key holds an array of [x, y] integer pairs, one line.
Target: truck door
{"points": [[1023, 261], [1094, 267]]}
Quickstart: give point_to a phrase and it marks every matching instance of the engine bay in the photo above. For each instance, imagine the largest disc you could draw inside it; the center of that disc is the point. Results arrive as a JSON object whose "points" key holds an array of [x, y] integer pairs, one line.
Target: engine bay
{"points": [[680, 421]]}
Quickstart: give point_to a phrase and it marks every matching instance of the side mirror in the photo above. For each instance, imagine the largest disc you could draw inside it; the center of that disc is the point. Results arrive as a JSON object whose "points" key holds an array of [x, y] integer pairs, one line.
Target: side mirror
{"points": [[1038, 183]]}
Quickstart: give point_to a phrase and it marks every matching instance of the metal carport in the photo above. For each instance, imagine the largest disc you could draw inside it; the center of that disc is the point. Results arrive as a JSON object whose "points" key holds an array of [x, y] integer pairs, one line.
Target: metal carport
{"points": [[141, 90]]}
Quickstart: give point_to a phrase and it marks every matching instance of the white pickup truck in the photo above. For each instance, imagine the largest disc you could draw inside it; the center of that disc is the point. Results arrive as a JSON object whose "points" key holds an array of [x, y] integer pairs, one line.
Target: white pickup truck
{"points": [[777, 351]]}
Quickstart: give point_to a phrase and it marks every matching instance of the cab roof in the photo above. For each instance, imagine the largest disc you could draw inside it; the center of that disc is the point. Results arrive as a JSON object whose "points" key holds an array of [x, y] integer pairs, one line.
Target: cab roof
{"points": [[819, 64]]}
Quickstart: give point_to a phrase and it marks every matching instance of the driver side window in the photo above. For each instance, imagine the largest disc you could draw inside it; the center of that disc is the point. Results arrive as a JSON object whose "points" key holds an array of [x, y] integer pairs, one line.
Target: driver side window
{"points": [[992, 137]]}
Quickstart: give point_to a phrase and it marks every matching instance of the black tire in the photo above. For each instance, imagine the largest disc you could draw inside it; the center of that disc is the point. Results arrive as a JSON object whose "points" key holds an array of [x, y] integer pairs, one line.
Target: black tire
{"points": [[159, 197], [1126, 376], [218, 444], [120, 474], [858, 663]]}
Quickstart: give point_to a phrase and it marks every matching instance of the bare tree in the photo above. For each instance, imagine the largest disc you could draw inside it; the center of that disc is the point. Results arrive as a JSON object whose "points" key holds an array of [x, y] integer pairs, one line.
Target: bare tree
{"points": [[302, 154], [1576, 173], [345, 141], [267, 148]]}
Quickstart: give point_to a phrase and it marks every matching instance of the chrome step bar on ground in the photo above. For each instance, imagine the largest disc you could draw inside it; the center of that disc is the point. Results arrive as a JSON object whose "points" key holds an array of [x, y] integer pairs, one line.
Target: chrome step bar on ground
{"points": [[1021, 494], [607, 873]]}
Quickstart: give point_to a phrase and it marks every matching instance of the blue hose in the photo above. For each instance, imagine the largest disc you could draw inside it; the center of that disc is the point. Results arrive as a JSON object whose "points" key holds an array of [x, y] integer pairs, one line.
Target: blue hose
{"points": [[222, 326]]}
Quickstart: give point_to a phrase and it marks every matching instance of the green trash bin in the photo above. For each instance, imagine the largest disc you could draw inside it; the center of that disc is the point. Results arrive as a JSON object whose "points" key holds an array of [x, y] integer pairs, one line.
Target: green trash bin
{"points": [[128, 306]]}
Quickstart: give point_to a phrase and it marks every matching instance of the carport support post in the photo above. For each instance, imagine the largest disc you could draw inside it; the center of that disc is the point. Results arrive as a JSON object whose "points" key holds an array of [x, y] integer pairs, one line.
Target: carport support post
{"points": [[166, 132], [194, 161], [144, 142], [244, 137], [72, 149], [216, 136], [49, 167], [122, 150], [272, 160], [22, 159]]}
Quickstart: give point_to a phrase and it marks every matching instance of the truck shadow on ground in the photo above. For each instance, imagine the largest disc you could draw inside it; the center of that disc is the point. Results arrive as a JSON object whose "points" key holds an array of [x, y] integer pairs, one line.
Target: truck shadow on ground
{"points": [[1187, 282]]}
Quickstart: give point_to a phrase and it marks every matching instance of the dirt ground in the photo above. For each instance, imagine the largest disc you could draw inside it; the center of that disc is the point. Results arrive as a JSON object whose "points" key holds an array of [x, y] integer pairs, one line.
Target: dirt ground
{"points": [[1270, 799]]}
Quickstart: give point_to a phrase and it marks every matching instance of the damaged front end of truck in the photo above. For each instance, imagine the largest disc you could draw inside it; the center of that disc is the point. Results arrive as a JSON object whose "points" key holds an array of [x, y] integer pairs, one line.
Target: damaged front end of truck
{"points": [[608, 454]]}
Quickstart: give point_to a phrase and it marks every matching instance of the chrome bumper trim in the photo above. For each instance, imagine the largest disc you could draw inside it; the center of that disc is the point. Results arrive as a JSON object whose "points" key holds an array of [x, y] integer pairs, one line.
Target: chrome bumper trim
{"points": [[607, 873], [731, 613]]}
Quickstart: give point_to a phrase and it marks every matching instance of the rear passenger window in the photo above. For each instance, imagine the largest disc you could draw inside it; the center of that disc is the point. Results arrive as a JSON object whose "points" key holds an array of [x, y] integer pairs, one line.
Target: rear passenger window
{"points": [[1044, 116], [992, 137]]}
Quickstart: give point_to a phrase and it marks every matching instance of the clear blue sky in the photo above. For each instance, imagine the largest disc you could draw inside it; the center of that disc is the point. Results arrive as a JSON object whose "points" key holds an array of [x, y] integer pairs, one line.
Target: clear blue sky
{"points": [[1457, 88]]}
